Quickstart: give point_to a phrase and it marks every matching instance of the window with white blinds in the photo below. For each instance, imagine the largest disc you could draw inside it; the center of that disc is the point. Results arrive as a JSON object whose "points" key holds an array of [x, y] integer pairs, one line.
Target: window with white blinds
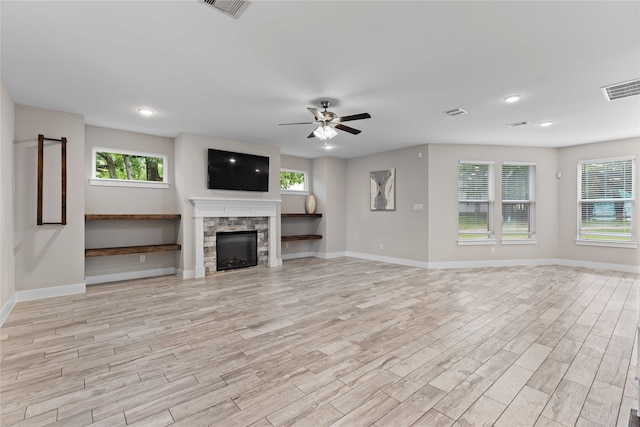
{"points": [[606, 199], [475, 201], [518, 201]]}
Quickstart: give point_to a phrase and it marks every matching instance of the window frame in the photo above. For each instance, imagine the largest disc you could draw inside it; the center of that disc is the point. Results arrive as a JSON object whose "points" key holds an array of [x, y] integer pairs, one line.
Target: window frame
{"points": [[110, 182], [305, 191], [531, 201], [580, 236], [490, 201]]}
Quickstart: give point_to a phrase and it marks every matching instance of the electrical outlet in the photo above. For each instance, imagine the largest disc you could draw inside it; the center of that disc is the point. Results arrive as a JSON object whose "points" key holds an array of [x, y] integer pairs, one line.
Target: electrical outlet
{"points": [[142, 258], [493, 250], [381, 246], [286, 245]]}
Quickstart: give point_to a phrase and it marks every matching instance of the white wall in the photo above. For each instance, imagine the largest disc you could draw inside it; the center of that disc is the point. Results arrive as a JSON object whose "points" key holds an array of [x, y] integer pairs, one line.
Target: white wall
{"points": [[443, 203], [48, 256], [568, 209], [7, 128], [403, 232], [129, 200], [191, 169]]}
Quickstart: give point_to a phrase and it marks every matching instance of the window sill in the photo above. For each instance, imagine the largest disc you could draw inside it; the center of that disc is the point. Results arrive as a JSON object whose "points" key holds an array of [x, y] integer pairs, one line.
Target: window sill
{"points": [[518, 242], [478, 242], [294, 192], [124, 183], [607, 243]]}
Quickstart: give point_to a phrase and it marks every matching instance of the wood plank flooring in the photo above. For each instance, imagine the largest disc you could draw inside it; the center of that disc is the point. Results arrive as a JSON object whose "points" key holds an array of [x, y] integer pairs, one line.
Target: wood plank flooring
{"points": [[340, 342]]}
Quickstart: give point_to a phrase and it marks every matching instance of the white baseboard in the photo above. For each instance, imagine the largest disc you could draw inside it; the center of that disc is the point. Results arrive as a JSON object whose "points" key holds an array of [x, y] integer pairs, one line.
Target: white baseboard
{"points": [[387, 259], [328, 255], [185, 274], [130, 275], [601, 265], [7, 308], [297, 255], [440, 265], [275, 262], [331, 255], [56, 291]]}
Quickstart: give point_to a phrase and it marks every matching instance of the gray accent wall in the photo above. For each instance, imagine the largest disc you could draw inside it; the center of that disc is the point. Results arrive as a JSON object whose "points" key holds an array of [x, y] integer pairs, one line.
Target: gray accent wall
{"points": [[330, 189], [7, 131], [47, 256], [403, 232]]}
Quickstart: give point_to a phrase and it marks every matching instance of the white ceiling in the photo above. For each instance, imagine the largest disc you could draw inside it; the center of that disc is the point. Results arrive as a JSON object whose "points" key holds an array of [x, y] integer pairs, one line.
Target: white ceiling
{"points": [[402, 62]]}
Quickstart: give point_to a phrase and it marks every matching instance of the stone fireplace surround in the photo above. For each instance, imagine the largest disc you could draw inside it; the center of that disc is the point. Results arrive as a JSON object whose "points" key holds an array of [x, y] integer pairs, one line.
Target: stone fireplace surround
{"points": [[213, 226], [213, 207]]}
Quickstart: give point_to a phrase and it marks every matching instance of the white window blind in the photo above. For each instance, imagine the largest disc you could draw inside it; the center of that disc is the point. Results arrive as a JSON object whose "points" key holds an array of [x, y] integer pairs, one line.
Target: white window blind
{"points": [[518, 208], [606, 199], [475, 200]]}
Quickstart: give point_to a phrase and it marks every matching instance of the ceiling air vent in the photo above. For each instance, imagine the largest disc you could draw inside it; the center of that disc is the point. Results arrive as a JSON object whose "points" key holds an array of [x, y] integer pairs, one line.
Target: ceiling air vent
{"points": [[229, 7], [621, 90], [516, 124], [456, 112]]}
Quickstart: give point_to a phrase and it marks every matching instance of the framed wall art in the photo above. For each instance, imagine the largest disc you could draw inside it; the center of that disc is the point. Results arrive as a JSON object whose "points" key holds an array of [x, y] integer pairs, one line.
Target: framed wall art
{"points": [[383, 190]]}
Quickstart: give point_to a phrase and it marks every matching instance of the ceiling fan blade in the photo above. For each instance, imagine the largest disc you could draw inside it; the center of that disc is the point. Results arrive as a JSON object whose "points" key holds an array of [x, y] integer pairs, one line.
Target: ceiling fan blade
{"points": [[299, 123], [311, 135], [317, 113], [354, 117], [347, 129]]}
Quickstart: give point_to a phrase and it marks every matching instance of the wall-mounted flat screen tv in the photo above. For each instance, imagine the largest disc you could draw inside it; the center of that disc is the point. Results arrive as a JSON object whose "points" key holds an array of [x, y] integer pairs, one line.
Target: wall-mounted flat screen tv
{"points": [[237, 171]]}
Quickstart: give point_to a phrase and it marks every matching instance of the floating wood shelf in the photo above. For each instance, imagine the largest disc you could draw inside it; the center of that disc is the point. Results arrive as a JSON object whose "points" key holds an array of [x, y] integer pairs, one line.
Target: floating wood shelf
{"points": [[300, 237], [301, 215], [127, 250], [127, 217]]}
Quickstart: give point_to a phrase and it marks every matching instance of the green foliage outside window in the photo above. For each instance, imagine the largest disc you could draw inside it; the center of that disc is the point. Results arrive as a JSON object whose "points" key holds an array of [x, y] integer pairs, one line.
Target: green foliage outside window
{"points": [[129, 167], [290, 180]]}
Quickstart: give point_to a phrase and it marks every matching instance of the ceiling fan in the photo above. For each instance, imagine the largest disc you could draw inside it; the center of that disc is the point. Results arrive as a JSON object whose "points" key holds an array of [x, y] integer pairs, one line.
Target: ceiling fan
{"points": [[328, 121]]}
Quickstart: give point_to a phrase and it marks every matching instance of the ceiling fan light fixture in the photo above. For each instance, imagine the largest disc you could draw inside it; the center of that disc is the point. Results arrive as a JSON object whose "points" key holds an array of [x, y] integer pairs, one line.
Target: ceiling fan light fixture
{"points": [[319, 133], [329, 132], [324, 132]]}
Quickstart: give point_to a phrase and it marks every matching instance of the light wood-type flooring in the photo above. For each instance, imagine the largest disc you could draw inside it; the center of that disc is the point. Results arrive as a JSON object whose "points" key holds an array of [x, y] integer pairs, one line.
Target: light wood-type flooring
{"points": [[341, 342]]}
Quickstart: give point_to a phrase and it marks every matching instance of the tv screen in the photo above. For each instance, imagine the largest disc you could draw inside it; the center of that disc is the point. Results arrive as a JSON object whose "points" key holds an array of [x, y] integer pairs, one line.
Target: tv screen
{"points": [[237, 171]]}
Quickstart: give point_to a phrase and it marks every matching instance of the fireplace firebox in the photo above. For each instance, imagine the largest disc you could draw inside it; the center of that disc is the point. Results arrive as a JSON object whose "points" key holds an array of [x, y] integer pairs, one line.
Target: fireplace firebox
{"points": [[236, 249]]}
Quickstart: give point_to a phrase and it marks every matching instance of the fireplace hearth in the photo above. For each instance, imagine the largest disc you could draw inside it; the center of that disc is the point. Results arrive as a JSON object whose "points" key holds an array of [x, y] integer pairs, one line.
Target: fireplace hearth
{"points": [[236, 249]]}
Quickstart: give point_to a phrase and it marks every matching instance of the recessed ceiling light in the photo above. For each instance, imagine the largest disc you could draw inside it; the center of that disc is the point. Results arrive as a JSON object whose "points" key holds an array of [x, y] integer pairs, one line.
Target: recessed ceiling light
{"points": [[545, 124], [512, 98], [146, 111]]}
